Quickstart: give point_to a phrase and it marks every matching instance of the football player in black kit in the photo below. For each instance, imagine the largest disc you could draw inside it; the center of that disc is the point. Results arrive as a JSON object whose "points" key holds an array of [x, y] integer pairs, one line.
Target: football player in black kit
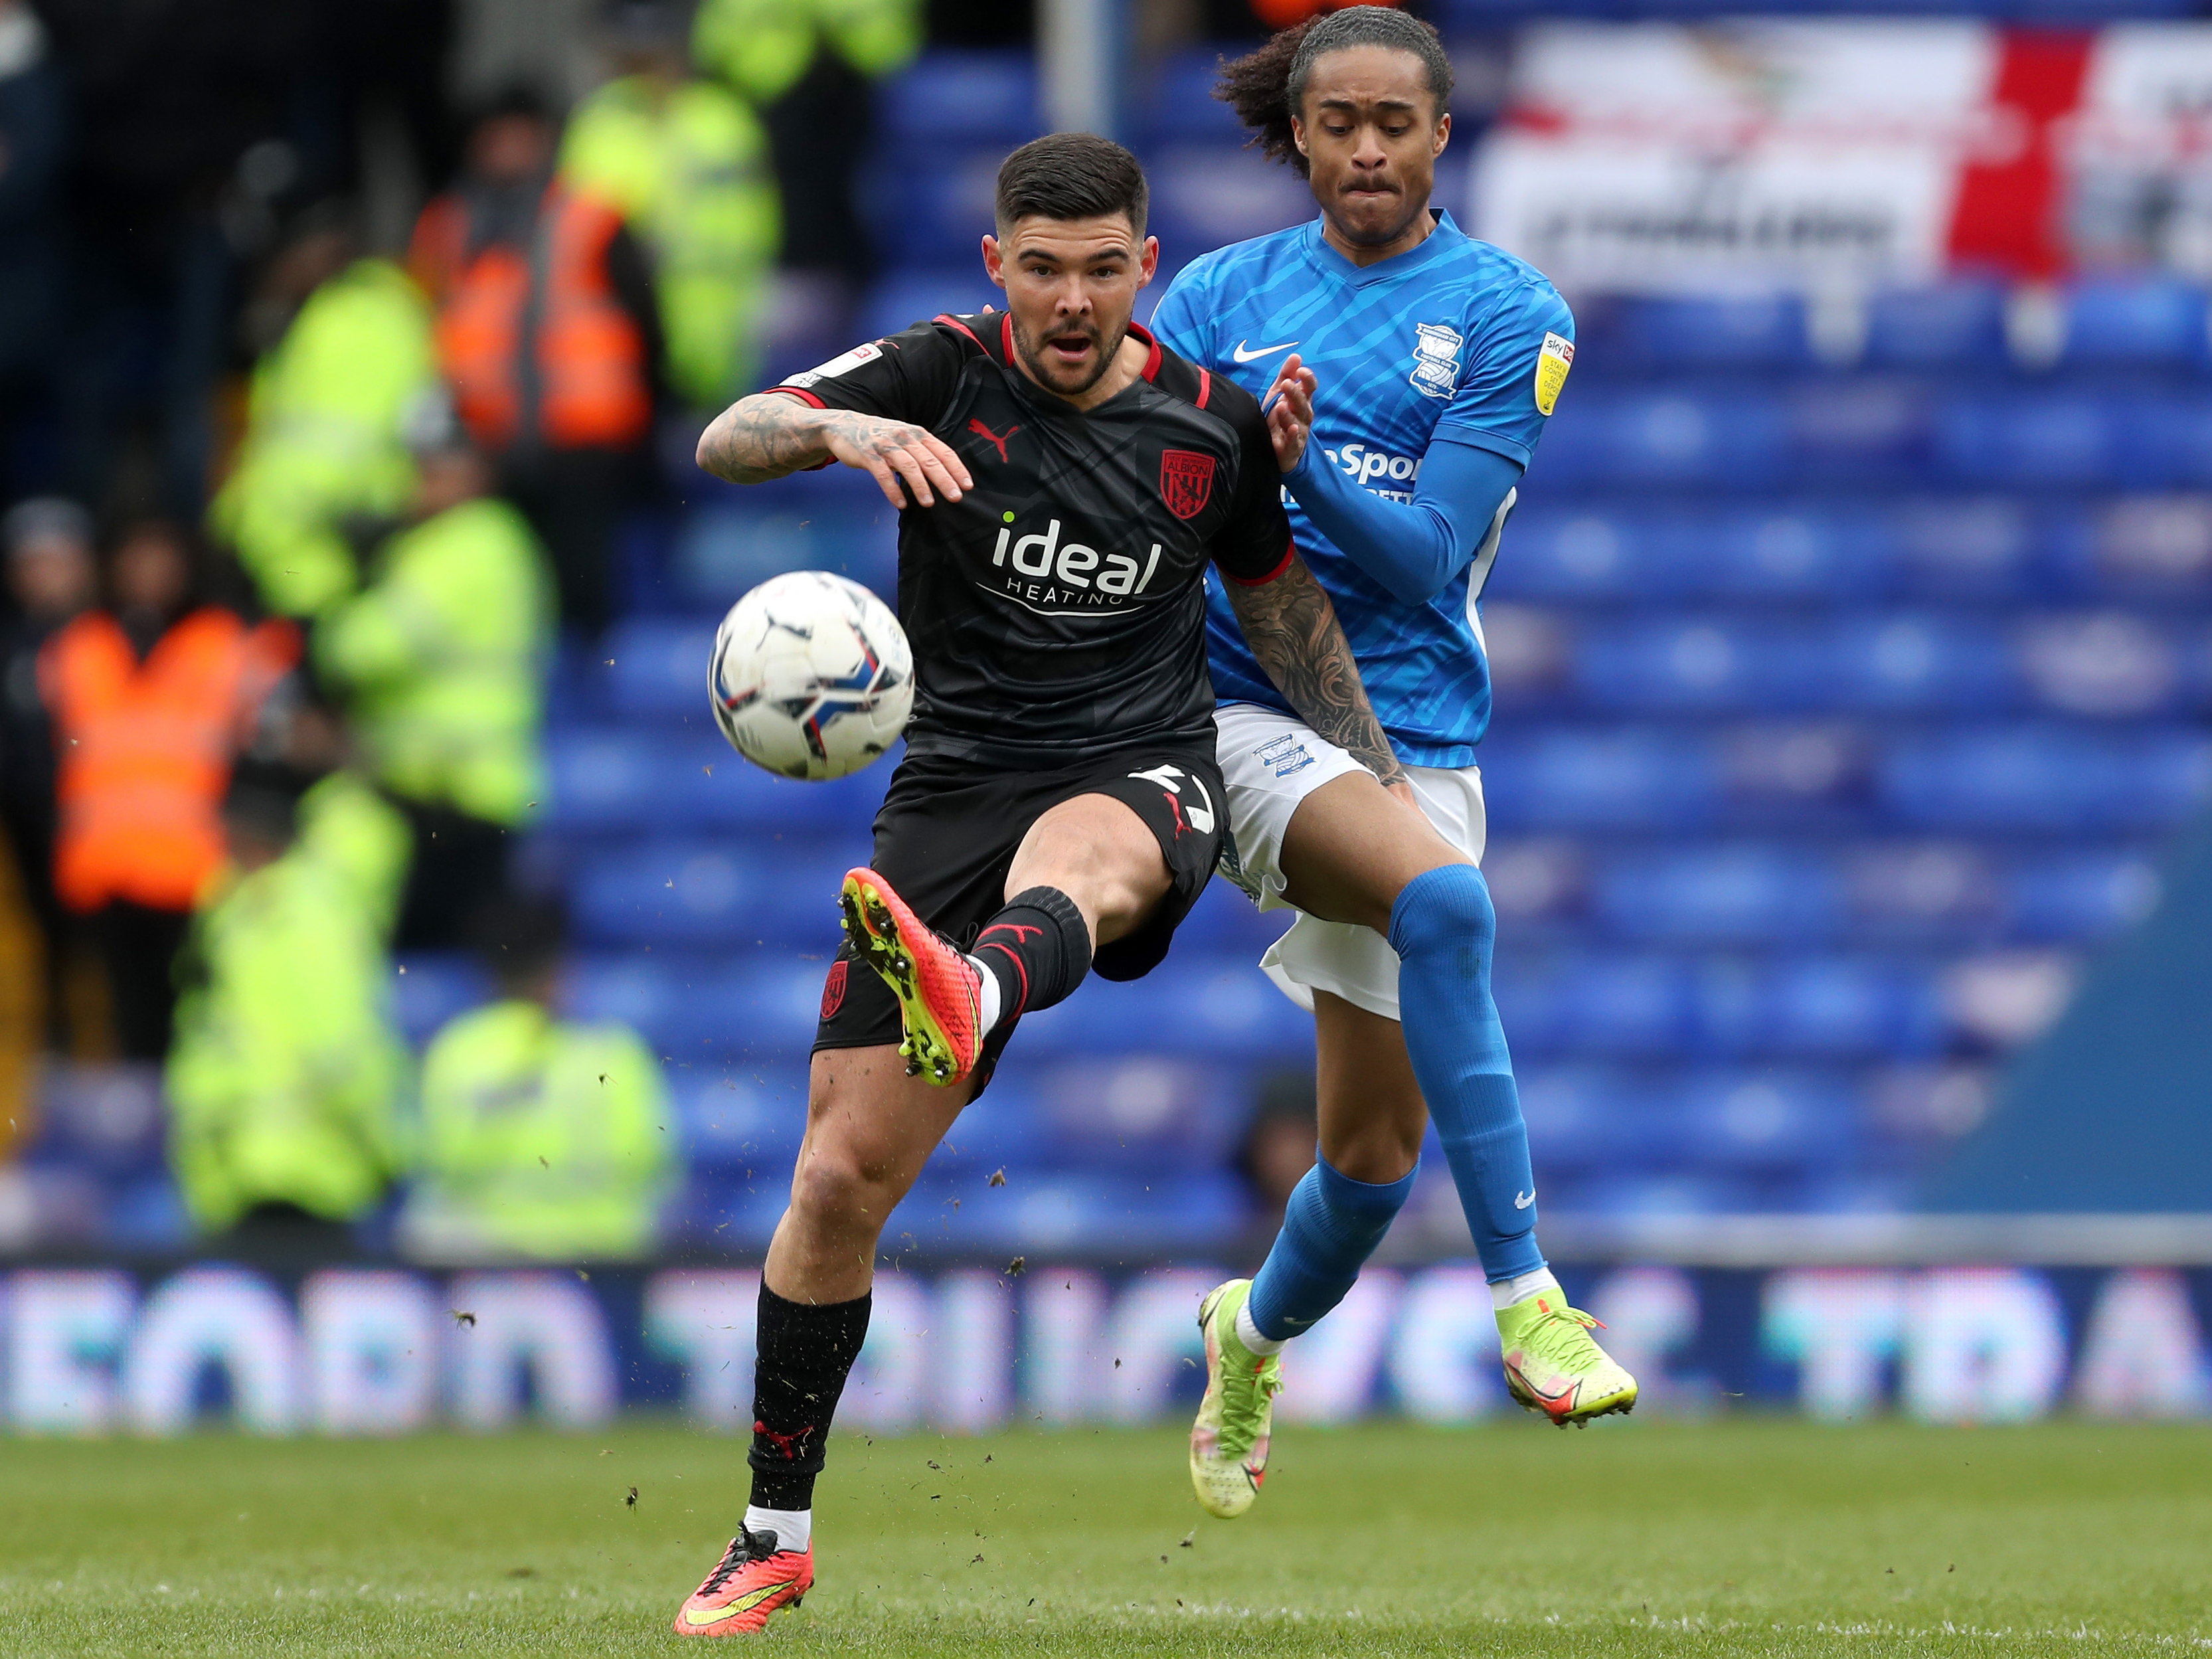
{"points": [[1063, 483]]}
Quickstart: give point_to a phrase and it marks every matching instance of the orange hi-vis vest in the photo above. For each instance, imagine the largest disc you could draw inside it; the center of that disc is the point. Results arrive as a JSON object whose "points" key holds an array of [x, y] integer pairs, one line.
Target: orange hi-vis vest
{"points": [[144, 751], [536, 339]]}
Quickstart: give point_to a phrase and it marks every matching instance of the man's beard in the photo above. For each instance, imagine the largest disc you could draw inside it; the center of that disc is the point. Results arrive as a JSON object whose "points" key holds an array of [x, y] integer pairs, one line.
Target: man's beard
{"points": [[1032, 354]]}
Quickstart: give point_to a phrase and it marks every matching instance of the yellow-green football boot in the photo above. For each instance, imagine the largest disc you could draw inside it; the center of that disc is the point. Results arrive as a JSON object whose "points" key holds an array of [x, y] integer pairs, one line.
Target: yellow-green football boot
{"points": [[1554, 1365], [1229, 1440]]}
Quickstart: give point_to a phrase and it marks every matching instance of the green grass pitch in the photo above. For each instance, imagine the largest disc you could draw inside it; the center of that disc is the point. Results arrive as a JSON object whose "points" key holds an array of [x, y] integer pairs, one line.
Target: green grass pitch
{"points": [[1740, 1536]]}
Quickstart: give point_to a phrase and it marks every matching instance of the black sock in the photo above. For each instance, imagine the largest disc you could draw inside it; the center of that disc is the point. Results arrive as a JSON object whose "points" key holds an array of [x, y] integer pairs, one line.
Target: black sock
{"points": [[1038, 948], [805, 1355]]}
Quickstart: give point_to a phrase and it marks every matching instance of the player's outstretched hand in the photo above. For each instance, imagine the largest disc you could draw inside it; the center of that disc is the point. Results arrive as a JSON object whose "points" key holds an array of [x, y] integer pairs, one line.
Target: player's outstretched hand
{"points": [[1289, 404], [890, 452]]}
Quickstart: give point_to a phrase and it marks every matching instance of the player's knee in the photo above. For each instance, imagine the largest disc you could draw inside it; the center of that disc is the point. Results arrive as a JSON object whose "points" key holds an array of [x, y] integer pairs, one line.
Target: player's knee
{"points": [[1374, 1153], [836, 1191], [1449, 905]]}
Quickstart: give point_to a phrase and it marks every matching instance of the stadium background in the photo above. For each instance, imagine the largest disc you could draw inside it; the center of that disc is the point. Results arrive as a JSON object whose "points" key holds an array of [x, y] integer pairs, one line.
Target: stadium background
{"points": [[1853, 649]]}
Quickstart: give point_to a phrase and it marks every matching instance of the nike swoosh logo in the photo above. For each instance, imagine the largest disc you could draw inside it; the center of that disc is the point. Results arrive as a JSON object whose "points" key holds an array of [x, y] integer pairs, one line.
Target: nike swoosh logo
{"points": [[1244, 357], [1522, 1200], [744, 1603]]}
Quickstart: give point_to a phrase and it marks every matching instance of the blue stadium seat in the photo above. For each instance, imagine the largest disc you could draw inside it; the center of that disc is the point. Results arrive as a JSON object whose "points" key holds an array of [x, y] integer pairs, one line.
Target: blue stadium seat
{"points": [[2142, 320], [2084, 894], [1958, 324], [1922, 892], [2169, 438], [1794, 551], [1734, 441], [1632, 1192], [1856, 431], [1918, 661], [2035, 441], [1225, 922], [704, 1013], [907, 296], [1182, 107], [1799, 774], [429, 988], [980, 97], [1555, 550], [749, 1121], [1984, 547], [1741, 894], [1080, 1212], [103, 1119], [2046, 778], [709, 895], [1850, 1007], [607, 778], [1583, 1116], [657, 665], [1677, 664], [1191, 1005], [1762, 331], [1764, 1121], [1207, 195], [1135, 1111], [930, 206], [721, 552], [1568, 777], [1608, 1004]]}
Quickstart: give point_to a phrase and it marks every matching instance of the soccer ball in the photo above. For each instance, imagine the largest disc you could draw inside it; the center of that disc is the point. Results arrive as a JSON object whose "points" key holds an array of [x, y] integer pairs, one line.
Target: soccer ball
{"points": [[812, 675]]}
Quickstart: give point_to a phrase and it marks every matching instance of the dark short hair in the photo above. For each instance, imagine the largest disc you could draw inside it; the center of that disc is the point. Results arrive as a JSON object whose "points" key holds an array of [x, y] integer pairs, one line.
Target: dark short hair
{"points": [[1071, 175], [1268, 86]]}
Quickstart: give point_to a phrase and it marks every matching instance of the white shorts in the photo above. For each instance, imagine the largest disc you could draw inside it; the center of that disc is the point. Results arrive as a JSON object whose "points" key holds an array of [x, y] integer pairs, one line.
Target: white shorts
{"points": [[1270, 762]]}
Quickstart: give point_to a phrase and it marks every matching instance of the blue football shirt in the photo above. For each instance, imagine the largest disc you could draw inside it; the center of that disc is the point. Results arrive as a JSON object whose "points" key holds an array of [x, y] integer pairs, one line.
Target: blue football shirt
{"points": [[1453, 339]]}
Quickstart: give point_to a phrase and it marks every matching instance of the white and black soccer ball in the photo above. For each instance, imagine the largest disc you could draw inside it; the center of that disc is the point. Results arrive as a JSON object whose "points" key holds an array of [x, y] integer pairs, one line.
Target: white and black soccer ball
{"points": [[812, 675]]}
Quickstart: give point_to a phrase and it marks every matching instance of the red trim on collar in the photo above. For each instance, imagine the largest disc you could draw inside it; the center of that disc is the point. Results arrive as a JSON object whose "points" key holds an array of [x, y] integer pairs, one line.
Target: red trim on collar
{"points": [[1205, 383], [801, 393], [1290, 552], [1152, 363], [1006, 339], [948, 319]]}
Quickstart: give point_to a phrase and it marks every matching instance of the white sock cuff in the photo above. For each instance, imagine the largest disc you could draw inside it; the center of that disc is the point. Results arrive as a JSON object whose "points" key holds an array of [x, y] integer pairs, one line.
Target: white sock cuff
{"points": [[1507, 1291], [794, 1529], [986, 995], [1249, 1333]]}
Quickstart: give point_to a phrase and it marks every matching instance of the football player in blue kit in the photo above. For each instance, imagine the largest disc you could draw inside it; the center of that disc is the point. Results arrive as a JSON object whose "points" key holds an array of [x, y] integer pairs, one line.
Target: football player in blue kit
{"points": [[1408, 371]]}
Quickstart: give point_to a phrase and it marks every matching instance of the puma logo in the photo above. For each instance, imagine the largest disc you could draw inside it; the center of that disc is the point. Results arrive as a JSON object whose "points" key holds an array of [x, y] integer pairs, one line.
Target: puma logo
{"points": [[996, 441], [786, 1443], [1022, 933]]}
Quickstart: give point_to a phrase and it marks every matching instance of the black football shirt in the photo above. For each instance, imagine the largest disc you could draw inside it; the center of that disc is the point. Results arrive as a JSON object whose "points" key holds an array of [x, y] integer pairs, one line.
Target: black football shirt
{"points": [[1057, 611]]}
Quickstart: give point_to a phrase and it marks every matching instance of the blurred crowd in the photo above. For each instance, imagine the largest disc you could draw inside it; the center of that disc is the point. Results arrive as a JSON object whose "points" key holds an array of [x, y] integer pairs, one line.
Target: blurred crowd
{"points": [[294, 525]]}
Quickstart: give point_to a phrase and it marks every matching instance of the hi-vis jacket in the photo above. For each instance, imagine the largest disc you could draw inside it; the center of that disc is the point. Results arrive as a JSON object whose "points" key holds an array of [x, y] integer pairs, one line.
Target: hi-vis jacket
{"points": [[145, 749]]}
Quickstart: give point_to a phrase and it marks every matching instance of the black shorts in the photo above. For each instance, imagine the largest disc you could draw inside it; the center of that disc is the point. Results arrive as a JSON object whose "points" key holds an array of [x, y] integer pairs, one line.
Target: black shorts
{"points": [[946, 839]]}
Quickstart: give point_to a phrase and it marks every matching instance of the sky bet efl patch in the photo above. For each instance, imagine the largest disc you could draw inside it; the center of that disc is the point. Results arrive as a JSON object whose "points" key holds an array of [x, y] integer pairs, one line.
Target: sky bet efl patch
{"points": [[1552, 362]]}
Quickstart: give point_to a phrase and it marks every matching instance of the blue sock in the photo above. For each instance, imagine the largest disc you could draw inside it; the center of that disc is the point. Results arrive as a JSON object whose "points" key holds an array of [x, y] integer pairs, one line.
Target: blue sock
{"points": [[1330, 1227], [1442, 927]]}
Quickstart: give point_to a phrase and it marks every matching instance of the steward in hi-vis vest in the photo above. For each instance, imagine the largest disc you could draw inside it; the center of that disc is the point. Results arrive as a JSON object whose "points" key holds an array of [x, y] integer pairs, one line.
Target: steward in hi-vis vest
{"points": [[286, 1075], [532, 337], [542, 1138], [151, 699], [686, 162], [325, 435], [549, 335]]}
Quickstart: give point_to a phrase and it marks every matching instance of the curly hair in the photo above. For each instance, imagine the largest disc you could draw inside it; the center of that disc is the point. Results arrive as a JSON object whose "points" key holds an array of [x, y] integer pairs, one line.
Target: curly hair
{"points": [[1266, 88]]}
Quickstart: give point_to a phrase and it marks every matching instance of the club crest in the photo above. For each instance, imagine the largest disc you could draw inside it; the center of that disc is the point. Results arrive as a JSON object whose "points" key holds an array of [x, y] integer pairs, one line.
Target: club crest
{"points": [[1186, 481], [1436, 360]]}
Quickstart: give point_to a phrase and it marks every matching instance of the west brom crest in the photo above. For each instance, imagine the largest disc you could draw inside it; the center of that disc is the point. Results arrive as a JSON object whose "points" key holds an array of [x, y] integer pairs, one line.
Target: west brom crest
{"points": [[1186, 481]]}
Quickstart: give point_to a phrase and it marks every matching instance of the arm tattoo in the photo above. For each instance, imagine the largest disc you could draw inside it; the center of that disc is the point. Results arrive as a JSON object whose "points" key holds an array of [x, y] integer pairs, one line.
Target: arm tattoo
{"points": [[1293, 632], [767, 435]]}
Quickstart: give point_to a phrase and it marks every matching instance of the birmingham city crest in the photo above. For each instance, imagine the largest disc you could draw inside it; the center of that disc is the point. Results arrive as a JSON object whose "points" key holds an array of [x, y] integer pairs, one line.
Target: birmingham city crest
{"points": [[1436, 360]]}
